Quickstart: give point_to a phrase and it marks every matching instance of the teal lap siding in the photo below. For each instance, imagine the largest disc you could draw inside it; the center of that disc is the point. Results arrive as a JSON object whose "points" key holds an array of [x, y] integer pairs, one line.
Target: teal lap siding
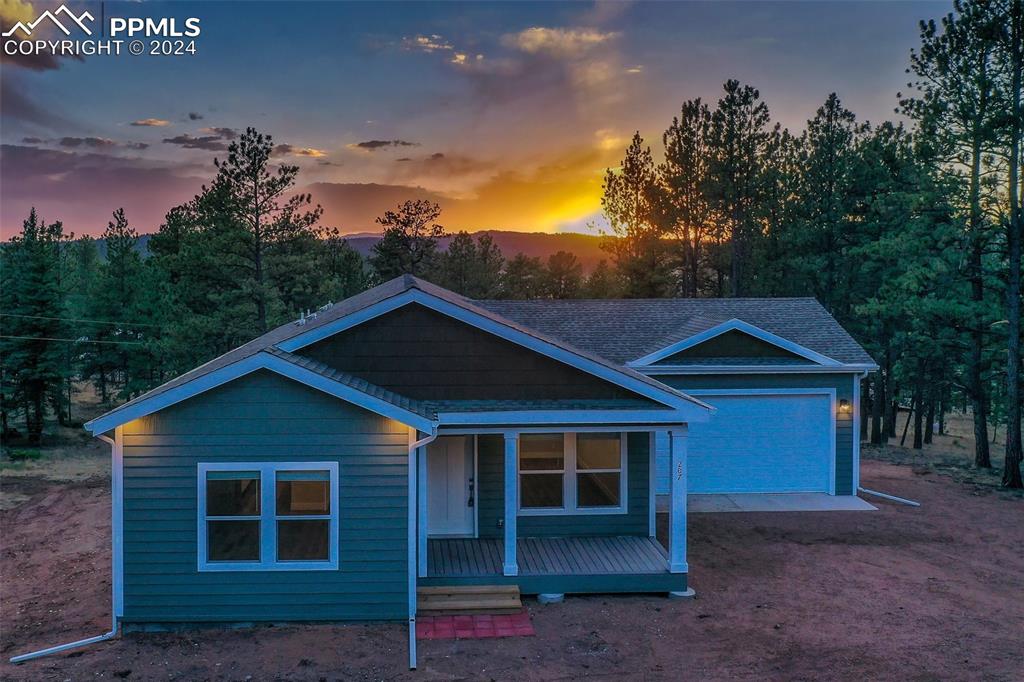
{"points": [[636, 521], [264, 418]]}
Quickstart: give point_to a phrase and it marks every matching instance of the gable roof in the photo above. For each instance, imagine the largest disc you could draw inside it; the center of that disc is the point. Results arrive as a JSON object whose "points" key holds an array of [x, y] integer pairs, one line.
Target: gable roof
{"points": [[742, 327], [625, 330], [279, 343], [314, 375]]}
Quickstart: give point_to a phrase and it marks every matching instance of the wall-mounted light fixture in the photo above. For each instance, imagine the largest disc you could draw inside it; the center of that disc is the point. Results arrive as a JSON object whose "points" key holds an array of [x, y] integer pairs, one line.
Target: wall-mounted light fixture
{"points": [[844, 406]]}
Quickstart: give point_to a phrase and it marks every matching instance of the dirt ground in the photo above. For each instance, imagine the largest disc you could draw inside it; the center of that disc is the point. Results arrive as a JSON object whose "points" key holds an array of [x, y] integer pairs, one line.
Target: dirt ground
{"points": [[902, 593]]}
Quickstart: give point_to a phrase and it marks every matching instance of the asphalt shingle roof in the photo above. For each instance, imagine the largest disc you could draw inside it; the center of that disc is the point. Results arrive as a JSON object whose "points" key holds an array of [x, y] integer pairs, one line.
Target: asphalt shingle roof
{"points": [[608, 332], [622, 330]]}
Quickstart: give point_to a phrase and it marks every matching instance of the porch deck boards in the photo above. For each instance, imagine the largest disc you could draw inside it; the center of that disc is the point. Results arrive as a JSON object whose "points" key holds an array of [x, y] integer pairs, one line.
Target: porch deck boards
{"points": [[547, 556]]}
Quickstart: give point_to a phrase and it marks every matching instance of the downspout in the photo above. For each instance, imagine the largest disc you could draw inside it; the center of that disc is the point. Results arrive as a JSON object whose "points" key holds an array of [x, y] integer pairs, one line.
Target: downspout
{"points": [[856, 440], [857, 379], [116, 492], [414, 474]]}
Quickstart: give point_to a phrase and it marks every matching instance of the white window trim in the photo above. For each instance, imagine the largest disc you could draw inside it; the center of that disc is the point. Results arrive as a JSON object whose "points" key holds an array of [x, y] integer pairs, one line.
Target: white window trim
{"points": [[569, 487], [268, 517]]}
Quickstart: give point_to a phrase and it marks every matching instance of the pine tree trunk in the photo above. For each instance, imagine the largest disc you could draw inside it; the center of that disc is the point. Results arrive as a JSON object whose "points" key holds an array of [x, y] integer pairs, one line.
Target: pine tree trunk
{"points": [[865, 408], [906, 425], [1014, 235], [930, 420], [877, 405], [918, 404], [981, 450], [943, 408]]}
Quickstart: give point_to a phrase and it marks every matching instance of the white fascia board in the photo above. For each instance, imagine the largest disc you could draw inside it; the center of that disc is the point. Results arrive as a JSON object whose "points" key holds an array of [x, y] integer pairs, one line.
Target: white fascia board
{"points": [[734, 325], [681, 370], [610, 374], [571, 417], [246, 366], [347, 322]]}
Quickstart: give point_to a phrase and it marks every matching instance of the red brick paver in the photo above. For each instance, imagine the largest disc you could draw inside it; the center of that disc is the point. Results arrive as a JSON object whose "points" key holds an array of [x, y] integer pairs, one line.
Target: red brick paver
{"points": [[474, 627]]}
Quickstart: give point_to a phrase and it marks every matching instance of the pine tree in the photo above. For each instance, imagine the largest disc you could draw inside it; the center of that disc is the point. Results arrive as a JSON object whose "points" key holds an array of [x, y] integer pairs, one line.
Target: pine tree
{"points": [[409, 243], [32, 352], [738, 139], [1011, 56], [633, 203], [602, 282], [342, 269], [684, 176], [827, 192], [564, 275], [455, 269], [471, 268], [524, 278], [957, 109], [114, 302]]}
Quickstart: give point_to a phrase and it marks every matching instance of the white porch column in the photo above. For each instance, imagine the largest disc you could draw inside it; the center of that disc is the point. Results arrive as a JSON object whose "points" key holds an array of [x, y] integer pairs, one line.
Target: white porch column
{"points": [[421, 504], [677, 507], [511, 567]]}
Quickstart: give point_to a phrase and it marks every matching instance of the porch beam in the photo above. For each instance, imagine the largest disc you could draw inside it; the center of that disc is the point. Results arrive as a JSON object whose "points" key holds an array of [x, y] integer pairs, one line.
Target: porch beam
{"points": [[510, 565], [677, 508]]}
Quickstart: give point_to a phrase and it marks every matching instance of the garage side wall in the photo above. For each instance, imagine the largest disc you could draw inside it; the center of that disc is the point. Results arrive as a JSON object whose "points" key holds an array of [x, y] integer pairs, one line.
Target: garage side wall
{"points": [[264, 418], [842, 383]]}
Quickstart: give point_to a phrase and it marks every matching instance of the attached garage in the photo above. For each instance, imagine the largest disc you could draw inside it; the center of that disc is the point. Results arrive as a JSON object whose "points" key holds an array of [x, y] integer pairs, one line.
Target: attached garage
{"points": [[760, 442]]}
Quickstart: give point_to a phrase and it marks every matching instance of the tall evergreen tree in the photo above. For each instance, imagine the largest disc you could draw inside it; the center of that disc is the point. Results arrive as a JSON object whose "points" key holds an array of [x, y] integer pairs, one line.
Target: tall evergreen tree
{"points": [[524, 278], [684, 176], [269, 218], [1011, 56], [633, 203], [738, 138], [342, 269], [31, 350], [602, 282], [827, 193], [409, 243], [240, 257], [956, 108], [564, 275], [115, 340], [470, 267]]}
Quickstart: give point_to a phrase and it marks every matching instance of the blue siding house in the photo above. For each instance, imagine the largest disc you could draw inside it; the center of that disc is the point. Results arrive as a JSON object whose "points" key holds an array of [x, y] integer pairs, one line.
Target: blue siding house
{"points": [[409, 438]]}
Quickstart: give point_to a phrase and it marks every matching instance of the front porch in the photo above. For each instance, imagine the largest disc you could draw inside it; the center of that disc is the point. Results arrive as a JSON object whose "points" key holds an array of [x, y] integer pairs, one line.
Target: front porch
{"points": [[572, 564]]}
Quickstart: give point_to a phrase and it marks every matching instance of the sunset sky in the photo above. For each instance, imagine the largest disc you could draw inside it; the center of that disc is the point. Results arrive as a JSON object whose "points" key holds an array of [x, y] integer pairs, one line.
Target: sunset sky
{"points": [[506, 114]]}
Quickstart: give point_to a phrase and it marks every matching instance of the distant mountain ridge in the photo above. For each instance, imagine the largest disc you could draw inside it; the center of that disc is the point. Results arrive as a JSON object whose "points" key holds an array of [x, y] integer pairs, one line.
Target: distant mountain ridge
{"points": [[586, 247]]}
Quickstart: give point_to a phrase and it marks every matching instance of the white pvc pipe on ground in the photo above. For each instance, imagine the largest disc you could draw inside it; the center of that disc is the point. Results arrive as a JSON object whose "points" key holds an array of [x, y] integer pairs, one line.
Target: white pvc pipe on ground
{"points": [[901, 500], [64, 647]]}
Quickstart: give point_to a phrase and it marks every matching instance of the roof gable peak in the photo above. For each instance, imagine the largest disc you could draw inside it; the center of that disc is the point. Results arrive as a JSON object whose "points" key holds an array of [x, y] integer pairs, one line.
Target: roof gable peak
{"points": [[730, 326]]}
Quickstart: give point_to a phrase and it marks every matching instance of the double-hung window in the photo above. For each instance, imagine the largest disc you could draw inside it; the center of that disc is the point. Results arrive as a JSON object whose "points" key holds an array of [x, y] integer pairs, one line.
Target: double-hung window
{"points": [[572, 473], [268, 516]]}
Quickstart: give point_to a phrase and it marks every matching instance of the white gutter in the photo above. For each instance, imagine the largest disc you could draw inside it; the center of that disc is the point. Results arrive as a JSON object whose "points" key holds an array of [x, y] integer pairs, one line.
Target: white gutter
{"points": [[687, 370], [414, 445], [117, 491]]}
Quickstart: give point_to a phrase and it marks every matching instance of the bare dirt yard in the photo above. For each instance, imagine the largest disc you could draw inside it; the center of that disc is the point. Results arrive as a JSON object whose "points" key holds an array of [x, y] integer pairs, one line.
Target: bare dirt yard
{"points": [[928, 593]]}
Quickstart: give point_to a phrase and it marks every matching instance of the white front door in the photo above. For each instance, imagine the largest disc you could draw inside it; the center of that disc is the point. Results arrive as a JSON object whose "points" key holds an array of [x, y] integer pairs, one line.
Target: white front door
{"points": [[450, 487]]}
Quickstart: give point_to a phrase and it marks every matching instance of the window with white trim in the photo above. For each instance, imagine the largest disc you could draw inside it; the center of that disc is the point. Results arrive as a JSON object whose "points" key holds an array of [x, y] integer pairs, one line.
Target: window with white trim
{"points": [[572, 473], [268, 516]]}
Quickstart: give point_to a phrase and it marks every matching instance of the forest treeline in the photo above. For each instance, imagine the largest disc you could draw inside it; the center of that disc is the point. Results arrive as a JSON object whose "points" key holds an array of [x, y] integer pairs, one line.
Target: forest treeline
{"points": [[908, 231]]}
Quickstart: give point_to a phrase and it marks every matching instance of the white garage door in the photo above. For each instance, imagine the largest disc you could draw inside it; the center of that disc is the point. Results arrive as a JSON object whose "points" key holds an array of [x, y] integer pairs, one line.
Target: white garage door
{"points": [[758, 444]]}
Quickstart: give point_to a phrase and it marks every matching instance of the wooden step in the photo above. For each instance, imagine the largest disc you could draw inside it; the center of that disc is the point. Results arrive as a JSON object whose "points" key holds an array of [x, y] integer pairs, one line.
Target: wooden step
{"points": [[468, 600]]}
